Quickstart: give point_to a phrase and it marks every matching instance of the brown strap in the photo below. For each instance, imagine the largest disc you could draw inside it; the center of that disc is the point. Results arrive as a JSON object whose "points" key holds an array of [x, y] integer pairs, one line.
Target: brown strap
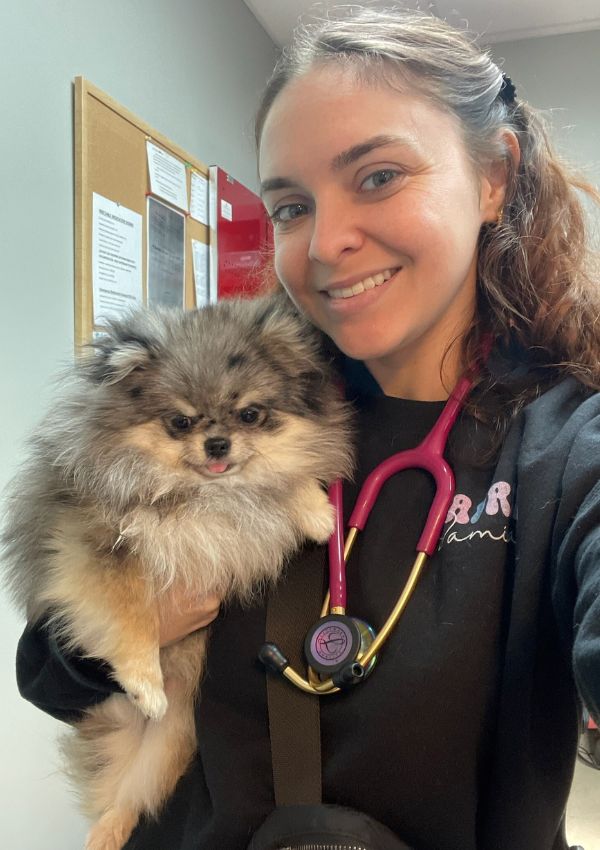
{"points": [[294, 716]]}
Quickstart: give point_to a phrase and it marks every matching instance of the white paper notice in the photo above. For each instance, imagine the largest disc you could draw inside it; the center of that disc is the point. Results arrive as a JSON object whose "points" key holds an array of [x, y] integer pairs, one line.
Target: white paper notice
{"points": [[226, 210], [200, 260], [167, 176], [116, 258], [199, 198]]}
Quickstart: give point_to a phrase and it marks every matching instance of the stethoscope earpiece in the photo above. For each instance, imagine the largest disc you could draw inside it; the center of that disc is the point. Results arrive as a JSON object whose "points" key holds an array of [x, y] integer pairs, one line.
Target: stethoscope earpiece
{"points": [[273, 658]]}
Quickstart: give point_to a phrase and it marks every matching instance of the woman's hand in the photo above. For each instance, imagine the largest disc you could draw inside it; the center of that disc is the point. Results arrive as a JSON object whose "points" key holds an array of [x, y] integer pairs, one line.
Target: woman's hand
{"points": [[180, 615]]}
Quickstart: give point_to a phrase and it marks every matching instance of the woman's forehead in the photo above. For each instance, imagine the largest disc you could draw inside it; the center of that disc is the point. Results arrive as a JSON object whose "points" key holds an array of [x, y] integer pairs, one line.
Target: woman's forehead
{"points": [[316, 86], [328, 111]]}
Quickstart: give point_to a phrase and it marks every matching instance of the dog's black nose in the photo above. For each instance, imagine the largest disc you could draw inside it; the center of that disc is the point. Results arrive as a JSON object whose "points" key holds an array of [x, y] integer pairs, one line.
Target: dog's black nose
{"points": [[217, 446]]}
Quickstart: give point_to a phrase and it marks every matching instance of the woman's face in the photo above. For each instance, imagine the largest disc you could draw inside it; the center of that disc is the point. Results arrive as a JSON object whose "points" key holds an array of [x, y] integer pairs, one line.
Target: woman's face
{"points": [[377, 210]]}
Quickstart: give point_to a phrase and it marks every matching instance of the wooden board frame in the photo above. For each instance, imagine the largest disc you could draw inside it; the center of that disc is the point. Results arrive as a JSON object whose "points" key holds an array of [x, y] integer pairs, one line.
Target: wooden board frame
{"points": [[110, 159]]}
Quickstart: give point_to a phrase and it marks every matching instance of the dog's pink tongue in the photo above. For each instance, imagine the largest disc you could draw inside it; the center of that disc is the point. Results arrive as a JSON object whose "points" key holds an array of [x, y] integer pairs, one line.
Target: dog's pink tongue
{"points": [[216, 466]]}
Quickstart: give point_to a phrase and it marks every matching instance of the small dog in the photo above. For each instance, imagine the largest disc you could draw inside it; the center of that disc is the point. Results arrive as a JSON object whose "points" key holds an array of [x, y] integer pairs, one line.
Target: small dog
{"points": [[189, 453]]}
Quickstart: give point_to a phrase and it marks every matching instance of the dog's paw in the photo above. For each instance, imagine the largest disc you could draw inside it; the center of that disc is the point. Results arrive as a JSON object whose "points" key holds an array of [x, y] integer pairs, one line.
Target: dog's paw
{"points": [[318, 523], [148, 697], [111, 831]]}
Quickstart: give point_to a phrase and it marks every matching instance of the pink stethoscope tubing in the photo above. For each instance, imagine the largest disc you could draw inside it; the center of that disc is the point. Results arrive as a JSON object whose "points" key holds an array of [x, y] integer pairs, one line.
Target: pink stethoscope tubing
{"points": [[428, 455]]}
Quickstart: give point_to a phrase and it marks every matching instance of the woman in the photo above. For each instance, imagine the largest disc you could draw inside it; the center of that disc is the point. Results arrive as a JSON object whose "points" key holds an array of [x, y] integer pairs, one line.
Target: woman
{"points": [[420, 216]]}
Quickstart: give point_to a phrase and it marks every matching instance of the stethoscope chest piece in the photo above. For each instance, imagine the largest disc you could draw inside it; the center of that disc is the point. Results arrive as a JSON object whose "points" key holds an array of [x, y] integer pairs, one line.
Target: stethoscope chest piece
{"points": [[334, 645]]}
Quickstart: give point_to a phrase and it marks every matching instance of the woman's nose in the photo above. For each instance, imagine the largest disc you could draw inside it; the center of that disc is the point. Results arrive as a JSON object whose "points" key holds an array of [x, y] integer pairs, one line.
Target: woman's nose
{"points": [[335, 232]]}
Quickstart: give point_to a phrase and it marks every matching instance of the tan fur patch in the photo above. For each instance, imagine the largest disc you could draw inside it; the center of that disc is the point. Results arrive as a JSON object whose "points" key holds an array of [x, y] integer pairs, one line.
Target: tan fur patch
{"points": [[141, 762], [184, 407], [151, 438], [288, 448]]}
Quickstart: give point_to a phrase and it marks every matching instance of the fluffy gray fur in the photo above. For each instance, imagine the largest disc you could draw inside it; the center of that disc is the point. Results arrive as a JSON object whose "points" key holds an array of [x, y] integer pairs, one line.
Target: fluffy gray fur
{"points": [[208, 358]]}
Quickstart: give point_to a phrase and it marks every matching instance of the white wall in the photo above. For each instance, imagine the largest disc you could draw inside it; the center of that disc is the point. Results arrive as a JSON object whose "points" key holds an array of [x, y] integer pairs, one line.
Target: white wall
{"points": [[191, 68]]}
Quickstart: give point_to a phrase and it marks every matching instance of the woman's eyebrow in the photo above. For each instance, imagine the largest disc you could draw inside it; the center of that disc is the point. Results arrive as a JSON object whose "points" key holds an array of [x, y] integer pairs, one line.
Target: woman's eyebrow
{"points": [[276, 183], [354, 153], [342, 160]]}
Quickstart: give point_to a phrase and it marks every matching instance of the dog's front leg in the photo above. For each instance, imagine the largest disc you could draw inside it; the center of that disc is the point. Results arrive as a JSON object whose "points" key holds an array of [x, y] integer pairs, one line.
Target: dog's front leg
{"points": [[107, 607], [132, 644]]}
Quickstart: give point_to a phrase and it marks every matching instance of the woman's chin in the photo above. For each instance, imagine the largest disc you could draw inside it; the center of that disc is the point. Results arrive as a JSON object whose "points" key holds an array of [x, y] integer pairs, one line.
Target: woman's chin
{"points": [[361, 349]]}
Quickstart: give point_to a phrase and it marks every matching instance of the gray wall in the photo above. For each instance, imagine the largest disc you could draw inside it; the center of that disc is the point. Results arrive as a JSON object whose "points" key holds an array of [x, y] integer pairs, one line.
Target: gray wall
{"points": [[561, 75], [193, 70]]}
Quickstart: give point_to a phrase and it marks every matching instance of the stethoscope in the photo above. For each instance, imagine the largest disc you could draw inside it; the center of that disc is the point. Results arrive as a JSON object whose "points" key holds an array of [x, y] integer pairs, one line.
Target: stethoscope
{"points": [[341, 651]]}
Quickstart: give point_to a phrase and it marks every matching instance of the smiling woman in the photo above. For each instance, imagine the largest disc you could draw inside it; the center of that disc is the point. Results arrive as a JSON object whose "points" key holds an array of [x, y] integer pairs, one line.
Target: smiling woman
{"points": [[425, 226], [376, 238]]}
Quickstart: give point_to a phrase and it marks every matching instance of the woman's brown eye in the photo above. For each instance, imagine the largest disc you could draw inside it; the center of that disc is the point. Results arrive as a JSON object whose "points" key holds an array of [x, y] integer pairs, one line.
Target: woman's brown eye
{"points": [[181, 423], [249, 415]]}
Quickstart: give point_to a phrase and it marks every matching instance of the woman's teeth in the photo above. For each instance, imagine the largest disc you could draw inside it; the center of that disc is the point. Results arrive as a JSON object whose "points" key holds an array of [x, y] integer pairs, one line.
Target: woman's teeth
{"points": [[362, 285]]}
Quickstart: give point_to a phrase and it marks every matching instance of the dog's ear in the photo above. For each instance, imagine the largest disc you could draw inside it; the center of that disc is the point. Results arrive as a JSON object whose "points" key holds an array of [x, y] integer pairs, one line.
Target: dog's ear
{"points": [[117, 354], [131, 357], [285, 333]]}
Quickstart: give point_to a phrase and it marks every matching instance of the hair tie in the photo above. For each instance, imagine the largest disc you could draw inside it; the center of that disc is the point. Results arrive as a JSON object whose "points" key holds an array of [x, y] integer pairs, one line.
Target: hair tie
{"points": [[508, 92]]}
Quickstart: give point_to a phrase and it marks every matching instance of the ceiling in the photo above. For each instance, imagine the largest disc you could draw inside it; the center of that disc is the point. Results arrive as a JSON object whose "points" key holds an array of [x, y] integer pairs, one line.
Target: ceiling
{"points": [[494, 20]]}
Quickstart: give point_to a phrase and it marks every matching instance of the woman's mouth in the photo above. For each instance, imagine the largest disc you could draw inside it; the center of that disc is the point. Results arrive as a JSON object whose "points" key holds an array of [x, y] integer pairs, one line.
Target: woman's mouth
{"points": [[361, 286]]}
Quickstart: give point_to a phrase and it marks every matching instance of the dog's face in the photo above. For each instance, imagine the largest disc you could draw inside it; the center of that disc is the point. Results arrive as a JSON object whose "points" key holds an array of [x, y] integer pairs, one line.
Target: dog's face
{"points": [[212, 437], [225, 392]]}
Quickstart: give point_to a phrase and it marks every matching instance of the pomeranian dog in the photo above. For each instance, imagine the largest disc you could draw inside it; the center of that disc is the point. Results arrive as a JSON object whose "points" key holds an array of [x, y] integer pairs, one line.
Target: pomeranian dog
{"points": [[190, 452]]}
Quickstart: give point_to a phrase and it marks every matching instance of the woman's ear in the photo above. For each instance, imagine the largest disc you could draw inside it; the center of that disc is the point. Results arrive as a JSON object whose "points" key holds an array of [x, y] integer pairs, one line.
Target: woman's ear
{"points": [[494, 178]]}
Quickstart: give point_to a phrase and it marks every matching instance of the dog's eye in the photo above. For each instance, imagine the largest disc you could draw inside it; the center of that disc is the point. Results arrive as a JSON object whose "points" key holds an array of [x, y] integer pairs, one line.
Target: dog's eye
{"points": [[181, 423], [249, 415]]}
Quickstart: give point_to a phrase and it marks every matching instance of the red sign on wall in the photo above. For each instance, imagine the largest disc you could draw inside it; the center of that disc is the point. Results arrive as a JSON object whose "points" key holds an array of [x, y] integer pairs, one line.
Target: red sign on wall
{"points": [[241, 238]]}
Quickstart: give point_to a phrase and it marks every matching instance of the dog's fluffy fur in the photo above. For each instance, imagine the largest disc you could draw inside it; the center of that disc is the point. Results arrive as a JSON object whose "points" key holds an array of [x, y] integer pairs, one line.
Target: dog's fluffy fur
{"points": [[189, 452]]}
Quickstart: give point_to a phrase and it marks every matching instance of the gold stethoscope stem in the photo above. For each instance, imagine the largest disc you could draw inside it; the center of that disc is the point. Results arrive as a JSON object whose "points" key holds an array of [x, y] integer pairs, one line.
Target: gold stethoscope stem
{"points": [[316, 685], [398, 610]]}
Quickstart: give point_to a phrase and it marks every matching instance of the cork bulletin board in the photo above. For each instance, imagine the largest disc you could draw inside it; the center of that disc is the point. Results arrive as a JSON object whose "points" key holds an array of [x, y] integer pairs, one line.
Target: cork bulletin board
{"points": [[111, 161]]}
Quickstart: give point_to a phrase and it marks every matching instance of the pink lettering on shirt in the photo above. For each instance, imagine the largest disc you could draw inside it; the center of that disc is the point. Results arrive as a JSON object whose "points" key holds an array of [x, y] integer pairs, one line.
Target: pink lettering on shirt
{"points": [[498, 499], [459, 509]]}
